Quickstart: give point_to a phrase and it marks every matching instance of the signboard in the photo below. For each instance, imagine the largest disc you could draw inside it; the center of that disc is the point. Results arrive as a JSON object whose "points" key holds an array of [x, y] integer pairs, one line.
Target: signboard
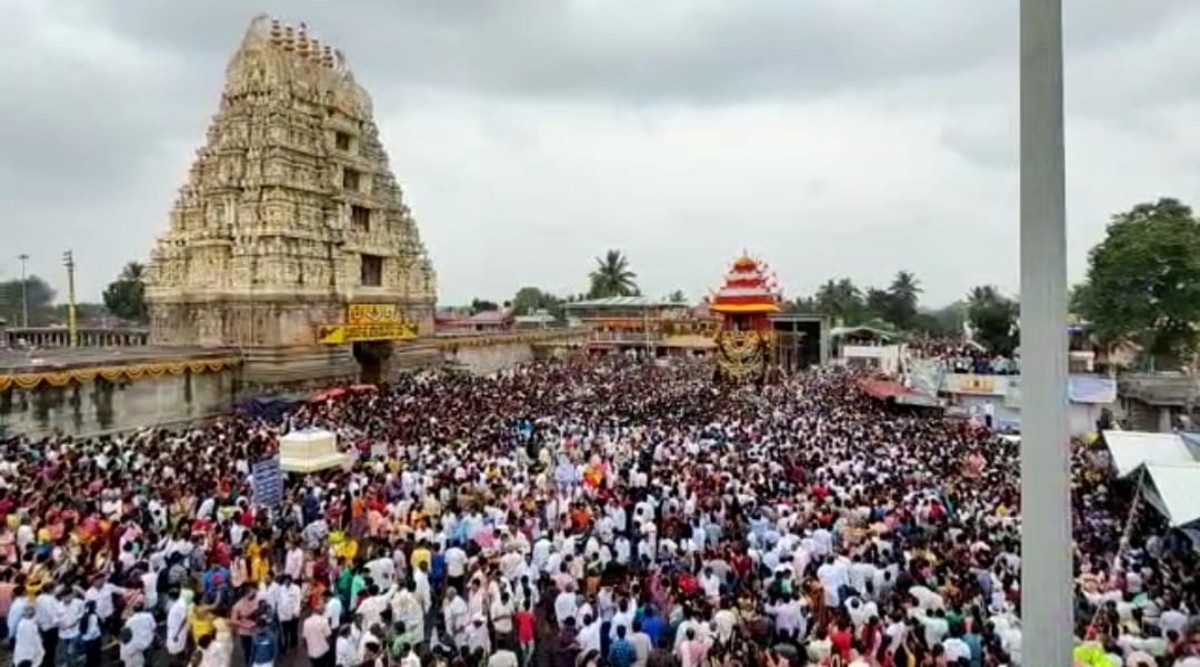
{"points": [[966, 383], [268, 482], [339, 334], [367, 322], [373, 313]]}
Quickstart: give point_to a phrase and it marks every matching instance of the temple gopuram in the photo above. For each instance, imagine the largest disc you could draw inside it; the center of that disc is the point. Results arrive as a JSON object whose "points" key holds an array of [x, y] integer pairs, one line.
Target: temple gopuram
{"points": [[745, 337], [290, 239], [290, 264]]}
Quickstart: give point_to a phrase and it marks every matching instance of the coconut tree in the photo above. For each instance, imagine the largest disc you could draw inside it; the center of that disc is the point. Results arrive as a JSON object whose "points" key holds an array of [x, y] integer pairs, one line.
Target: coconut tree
{"points": [[612, 277], [905, 292]]}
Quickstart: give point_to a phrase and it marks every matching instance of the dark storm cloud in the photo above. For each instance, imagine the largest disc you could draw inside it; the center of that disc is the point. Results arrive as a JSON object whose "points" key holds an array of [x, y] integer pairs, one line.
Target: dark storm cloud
{"points": [[708, 50]]}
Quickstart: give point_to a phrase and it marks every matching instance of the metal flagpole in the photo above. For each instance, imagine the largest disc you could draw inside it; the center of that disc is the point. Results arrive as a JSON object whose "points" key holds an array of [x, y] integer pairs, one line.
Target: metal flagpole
{"points": [[1046, 581]]}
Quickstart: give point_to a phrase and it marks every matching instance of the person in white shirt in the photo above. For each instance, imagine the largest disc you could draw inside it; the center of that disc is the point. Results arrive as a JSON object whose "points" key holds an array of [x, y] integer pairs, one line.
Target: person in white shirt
{"points": [[333, 609], [382, 572], [589, 635], [456, 617], [456, 566], [137, 636], [294, 563], [477, 641], [47, 614], [28, 640], [503, 657], [317, 633], [411, 659], [91, 634], [288, 606], [177, 622], [501, 613], [565, 605], [956, 649], [70, 615], [101, 592], [346, 648], [371, 610]]}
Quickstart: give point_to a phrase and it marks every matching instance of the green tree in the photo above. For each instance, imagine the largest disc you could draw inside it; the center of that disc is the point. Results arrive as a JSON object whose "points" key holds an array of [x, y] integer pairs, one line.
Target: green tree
{"points": [[944, 322], [905, 293], [125, 297], [1143, 280], [612, 277], [878, 305], [840, 298], [802, 305], [483, 306], [41, 301], [677, 297], [529, 300], [993, 318]]}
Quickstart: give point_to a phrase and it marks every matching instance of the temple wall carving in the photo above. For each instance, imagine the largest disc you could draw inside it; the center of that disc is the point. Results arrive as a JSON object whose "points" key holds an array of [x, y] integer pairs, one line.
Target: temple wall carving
{"points": [[261, 247]]}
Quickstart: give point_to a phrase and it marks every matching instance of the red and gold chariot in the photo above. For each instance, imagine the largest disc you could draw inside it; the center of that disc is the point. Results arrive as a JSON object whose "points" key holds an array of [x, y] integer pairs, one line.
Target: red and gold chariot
{"points": [[745, 337]]}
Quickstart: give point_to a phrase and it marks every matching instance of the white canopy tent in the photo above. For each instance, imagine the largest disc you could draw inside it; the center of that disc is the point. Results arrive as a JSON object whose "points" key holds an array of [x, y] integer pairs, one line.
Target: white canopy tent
{"points": [[1171, 489], [1130, 450], [309, 450]]}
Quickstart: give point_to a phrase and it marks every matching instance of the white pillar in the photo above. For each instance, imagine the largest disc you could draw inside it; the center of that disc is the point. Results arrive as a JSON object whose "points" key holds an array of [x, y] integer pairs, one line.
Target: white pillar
{"points": [[1046, 581]]}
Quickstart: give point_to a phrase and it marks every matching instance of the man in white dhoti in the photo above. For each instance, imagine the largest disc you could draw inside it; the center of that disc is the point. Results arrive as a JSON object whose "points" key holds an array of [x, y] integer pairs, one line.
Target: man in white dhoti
{"points": [[28, 649]]}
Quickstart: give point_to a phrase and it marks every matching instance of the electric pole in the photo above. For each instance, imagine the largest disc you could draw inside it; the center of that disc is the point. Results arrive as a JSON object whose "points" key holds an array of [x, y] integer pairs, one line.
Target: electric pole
{"points": [[72, 325], [24, 258]]}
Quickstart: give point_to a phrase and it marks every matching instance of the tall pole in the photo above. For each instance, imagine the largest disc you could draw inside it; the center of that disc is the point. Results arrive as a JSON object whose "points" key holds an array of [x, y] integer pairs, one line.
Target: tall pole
{"points": [[24, 290], [1046, 579], [72, 324]]}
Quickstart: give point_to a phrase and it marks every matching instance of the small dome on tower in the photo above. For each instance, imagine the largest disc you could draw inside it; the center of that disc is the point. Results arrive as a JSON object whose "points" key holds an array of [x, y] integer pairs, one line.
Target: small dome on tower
{"points": [[302, 41]]}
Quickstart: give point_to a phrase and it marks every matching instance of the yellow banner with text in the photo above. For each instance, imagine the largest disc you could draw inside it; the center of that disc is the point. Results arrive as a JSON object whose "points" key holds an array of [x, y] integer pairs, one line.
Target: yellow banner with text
{"points": [[368, 322]]}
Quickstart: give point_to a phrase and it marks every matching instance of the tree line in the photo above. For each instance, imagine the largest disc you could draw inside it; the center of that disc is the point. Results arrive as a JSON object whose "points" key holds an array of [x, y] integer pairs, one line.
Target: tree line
{"points": [[1142, 287], [894, 307], [123, 298]]}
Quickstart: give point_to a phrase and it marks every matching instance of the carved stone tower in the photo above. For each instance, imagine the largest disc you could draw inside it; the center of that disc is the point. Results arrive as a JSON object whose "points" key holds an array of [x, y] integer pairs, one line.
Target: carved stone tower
{"points": [[290, 215]]}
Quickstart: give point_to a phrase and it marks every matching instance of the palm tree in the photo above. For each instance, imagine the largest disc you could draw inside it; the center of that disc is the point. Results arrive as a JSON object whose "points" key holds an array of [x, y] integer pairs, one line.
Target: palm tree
{"points": [[840, 298], [612, 277], [906, 286], [125, 297], [905, 292]]}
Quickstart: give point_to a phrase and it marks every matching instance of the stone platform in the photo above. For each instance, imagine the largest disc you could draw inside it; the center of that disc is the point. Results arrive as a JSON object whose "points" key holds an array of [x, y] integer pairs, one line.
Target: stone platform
{"points": [[84, 391]]}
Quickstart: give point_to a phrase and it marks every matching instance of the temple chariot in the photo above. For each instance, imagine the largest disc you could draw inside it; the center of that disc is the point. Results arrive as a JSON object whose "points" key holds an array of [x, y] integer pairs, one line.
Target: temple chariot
{"points": [[745, 339]]}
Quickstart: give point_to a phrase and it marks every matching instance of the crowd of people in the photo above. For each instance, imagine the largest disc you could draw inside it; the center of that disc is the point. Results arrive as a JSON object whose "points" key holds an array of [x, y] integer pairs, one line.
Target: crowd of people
{"points": [[958, 356], [580, 514]]}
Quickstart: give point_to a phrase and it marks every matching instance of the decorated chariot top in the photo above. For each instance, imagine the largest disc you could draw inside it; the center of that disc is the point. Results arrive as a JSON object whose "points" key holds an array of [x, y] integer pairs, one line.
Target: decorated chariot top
{"points": [[747, 290]]}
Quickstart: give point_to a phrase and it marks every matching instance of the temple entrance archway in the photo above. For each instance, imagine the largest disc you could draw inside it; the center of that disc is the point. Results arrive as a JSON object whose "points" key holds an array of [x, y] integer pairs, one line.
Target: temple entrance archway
{"points": [[372, 357]]}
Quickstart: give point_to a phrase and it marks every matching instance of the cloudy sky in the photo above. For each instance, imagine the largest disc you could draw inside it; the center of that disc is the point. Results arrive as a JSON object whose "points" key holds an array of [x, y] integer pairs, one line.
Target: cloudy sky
{"points": [[830, 137]]}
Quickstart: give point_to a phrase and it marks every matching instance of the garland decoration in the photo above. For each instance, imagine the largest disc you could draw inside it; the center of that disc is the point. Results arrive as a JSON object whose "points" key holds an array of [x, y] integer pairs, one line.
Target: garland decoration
{"points": [[62, 378]]}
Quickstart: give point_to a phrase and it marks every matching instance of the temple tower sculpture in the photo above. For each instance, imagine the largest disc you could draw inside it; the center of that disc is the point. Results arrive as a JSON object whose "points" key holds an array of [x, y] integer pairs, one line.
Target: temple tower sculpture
{"points": [[290, 238]]}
